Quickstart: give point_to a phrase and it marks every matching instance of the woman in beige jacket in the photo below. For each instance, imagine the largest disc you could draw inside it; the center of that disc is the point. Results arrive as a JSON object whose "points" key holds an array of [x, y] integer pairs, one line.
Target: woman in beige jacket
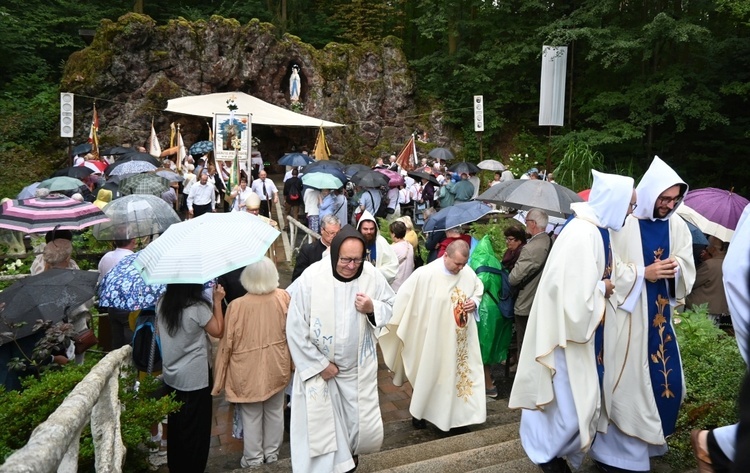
{"points": [[253, 364]]}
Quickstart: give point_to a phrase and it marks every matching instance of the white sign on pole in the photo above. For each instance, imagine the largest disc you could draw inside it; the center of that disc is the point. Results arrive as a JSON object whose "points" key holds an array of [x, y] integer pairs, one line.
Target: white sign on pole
{"points": [[478, 113], [66, 114]]}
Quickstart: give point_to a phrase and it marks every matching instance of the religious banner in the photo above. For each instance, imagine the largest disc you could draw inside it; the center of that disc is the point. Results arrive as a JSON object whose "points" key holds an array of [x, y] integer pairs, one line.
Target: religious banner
{"points": [[552, 88], [232, 130]]}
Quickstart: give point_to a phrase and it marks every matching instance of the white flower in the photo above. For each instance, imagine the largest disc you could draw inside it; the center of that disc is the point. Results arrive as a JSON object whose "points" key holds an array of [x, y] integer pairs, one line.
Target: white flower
{"points": [[19, 263]]}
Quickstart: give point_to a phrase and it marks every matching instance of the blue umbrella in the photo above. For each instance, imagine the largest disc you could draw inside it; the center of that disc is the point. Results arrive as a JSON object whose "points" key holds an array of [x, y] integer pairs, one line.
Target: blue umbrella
{"points": [[457, 215], [698, 237], [201, 147], [295, 159], [28, 192], [337, 173], [322, 180]]}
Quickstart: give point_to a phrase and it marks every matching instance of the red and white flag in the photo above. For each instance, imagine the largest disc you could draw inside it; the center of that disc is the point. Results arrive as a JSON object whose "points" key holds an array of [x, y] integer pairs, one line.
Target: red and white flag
{"points": [[93, 139], [154, 148], [407, 158]]}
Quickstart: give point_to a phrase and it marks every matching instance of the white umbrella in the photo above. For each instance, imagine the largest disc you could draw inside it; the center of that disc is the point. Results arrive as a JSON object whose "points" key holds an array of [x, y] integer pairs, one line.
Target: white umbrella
{"points": [[226, 241], [491, 165], [705, 225]]}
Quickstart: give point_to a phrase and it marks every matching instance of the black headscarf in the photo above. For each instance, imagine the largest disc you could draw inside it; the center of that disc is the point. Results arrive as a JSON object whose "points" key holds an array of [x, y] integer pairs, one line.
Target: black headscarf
{"points": [[346, 232]]}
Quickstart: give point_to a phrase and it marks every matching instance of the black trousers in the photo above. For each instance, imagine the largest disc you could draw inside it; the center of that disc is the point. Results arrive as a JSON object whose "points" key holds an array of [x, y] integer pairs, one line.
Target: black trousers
{"points": [[190, 431], [264, 208], [199, 210]]}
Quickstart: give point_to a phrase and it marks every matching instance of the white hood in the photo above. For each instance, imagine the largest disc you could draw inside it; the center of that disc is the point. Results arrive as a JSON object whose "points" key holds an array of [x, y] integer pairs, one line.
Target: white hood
{"points": [[657, 179]]}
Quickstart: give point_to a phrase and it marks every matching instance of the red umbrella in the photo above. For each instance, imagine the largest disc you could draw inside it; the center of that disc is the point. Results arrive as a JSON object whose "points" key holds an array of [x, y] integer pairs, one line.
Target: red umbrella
{"points": [[585, 194], [394, 179]]}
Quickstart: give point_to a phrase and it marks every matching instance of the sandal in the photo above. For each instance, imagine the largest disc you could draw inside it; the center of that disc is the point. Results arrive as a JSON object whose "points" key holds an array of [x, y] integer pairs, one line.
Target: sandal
{"points": [[491, 392]]}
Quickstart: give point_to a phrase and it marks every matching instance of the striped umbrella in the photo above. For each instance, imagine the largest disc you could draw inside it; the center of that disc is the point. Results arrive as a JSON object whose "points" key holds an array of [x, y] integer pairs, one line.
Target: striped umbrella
{"points": [[47, 213], [132, 167], [144, 184], [236, 240]]}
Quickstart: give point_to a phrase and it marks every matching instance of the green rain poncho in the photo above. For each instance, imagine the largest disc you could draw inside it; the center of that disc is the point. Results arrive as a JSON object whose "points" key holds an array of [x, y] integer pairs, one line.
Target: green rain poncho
{"points": [[495, 331]]}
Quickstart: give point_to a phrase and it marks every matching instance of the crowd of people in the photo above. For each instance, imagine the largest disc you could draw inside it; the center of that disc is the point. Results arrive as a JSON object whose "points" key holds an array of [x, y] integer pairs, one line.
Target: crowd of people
{"points": [[596, 360]]}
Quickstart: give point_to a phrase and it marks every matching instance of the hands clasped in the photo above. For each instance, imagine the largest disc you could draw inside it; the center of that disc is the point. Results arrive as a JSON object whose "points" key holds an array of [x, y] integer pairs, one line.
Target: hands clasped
{"points": [[661, 269]]}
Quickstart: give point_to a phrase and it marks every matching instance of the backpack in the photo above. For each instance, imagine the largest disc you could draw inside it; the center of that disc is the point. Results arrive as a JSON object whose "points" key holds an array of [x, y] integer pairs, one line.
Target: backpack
{"points": [[146, 342], [382, 211], [506, 299], [294, 193]]}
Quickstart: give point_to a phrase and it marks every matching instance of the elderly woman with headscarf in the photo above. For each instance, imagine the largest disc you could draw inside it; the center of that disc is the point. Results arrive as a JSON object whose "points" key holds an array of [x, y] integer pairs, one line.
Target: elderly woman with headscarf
{"points": [[254, 348]]}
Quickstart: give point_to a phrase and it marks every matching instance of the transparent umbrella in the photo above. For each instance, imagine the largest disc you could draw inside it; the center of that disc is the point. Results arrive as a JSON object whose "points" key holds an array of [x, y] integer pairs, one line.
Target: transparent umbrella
{"points": [[134, 216]]}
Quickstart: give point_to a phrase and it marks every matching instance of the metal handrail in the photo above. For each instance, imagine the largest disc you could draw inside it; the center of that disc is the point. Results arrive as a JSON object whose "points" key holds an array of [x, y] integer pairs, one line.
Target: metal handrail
{"points": [[54, 444]]}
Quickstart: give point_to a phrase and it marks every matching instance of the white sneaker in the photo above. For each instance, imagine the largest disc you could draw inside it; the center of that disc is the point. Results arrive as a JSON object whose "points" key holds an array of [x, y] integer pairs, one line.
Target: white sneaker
{"points": [[272, 458]]}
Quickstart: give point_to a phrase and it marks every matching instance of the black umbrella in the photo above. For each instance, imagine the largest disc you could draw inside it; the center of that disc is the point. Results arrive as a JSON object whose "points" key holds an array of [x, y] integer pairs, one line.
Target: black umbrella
{"points": [[370, 178], [79, 172], [464, 167], [81, 149], [325, 163], [419, 175], [443, 154], [117, 150], [353, 169], [47, 296]]}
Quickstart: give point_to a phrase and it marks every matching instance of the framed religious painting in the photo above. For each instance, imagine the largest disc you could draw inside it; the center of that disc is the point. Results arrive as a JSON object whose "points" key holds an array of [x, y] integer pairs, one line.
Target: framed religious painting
{"points": [[230, 130]]}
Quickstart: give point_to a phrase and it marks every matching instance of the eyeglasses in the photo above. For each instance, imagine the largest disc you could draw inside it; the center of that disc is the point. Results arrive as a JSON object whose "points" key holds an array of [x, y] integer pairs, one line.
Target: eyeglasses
{"points": [[669, 200], [509, 239], [329, 233], [348, 261]]}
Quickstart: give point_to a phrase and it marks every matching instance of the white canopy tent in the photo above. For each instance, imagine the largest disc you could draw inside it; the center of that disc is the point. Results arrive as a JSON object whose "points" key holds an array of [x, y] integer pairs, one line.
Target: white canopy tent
{"points": [[263, 113]]}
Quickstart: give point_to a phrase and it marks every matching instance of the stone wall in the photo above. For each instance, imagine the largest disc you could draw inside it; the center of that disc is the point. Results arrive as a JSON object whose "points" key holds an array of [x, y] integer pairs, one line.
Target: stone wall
{"points": [[133, 66]]}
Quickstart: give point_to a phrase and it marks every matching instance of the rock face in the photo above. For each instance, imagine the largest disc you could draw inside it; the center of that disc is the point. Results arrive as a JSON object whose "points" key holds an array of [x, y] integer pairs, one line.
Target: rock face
{"points": [[134, 66]]}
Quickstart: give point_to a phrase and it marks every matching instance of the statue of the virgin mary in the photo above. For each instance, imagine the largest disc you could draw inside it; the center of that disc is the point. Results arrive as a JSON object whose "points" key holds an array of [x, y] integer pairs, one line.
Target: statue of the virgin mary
{"points": [[295, 86]]}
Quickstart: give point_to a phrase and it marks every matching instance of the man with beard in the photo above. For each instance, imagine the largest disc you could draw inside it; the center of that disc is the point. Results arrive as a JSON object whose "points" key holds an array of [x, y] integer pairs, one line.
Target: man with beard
{"points": [[644, 385], [311, 253], [379, 252], [336, 311], [559, 370]]}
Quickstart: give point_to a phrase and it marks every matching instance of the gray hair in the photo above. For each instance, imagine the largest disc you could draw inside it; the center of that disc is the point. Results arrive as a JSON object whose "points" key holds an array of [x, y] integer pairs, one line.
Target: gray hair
{"points": [[57, 253], [260, 277], [328, 220], [539, 216]]}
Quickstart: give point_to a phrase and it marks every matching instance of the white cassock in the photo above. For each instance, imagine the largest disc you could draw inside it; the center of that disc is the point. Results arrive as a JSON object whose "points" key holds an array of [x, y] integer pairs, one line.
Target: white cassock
{"points": [[736, 270], [635, 431], [425, 345], [560, 405], [335, 419]]}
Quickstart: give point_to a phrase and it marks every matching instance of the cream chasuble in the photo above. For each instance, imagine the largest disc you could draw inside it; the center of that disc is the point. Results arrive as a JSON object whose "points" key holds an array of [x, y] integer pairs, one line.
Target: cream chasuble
{"points": [[335, 419], [425, 345]]}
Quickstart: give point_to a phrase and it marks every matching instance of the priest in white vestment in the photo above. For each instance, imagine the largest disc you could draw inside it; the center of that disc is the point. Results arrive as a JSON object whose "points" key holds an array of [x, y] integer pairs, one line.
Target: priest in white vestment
{"points": [[736, 271], [379, 251], [559, 371], [644, 385], [432, 342], [337, 307]]}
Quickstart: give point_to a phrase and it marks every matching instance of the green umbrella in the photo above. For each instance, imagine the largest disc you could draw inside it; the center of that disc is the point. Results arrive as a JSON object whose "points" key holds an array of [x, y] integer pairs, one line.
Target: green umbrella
{"points": [[61, 184], [144, 184], [322, 180]]}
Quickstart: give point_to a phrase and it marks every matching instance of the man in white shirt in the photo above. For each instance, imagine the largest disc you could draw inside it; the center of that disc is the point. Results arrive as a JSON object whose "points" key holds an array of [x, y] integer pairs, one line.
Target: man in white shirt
{"points": [[266, 190], [120, 331], [201, 197]]}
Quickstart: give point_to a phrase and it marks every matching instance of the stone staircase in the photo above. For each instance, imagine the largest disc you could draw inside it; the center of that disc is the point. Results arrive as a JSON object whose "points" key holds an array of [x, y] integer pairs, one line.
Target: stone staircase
{"points": [[490, 447]]}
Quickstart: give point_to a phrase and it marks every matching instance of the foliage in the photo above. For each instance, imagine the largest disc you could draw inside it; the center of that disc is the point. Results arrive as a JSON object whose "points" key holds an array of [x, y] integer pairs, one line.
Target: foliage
{"points": [[21, 412], [574, 171], [519, 164], [713, 371], [494, 229]]}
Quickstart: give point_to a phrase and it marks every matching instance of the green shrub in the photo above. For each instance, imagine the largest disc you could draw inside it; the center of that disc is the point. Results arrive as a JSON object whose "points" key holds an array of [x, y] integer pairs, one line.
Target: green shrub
{"points": [[714, 371], [21, 412]]}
